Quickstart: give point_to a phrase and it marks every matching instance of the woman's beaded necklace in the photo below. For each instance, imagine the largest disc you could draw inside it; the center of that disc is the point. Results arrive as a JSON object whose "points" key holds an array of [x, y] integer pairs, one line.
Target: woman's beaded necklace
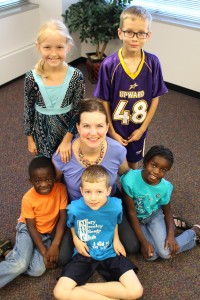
{"points": [[87, 162]]}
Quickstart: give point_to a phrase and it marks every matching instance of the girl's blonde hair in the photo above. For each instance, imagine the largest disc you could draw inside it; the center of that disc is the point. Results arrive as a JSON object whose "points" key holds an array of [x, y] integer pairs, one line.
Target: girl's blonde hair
{"points": [[134, 12], [50, 28]]}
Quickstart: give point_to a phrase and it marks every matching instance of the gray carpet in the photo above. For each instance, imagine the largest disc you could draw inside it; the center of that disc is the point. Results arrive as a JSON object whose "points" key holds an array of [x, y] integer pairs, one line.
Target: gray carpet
{"points": [[176, 125]]}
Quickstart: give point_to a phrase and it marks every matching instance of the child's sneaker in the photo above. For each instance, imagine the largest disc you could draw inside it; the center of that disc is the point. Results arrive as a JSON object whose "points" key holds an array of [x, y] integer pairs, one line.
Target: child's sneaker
{"points": [[5, 246]]}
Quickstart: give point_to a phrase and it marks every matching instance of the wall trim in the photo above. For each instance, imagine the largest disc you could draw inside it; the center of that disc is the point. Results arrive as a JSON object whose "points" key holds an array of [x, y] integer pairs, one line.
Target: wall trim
{"points": [[183, 90]]}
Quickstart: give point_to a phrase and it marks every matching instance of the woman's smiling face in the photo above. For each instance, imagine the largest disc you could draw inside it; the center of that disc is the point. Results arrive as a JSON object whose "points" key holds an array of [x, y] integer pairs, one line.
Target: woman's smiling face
{"points": [[92, 128]]}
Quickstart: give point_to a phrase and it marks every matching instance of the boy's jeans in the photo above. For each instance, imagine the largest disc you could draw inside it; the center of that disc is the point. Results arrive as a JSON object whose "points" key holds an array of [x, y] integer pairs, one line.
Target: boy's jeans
{"points": [[154, 230], [24, 258]]}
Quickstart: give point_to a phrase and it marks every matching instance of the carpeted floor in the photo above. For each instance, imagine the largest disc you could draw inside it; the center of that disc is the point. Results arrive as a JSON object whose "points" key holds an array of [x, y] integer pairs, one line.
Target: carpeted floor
{"points": [[176, 125]]}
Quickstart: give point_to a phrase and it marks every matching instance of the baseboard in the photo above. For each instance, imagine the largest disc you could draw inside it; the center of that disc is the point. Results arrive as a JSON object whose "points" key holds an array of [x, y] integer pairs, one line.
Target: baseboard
{"points": [[183, 90]]}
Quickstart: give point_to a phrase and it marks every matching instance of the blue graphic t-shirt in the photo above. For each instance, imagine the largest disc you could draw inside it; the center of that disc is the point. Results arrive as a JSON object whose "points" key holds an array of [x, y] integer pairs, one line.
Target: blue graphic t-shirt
{"points": [[147, 198], [96, 227]]}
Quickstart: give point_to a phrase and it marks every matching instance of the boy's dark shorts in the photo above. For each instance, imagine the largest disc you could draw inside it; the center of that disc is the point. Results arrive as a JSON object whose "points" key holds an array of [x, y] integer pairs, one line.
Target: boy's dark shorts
{"points": [[135, 151], [81, 268]]}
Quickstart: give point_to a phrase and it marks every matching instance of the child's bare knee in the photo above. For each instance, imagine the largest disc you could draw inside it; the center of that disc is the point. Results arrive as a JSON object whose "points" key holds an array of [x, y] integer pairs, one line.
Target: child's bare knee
{"points": [[63, 288], [134, 293], [139, 292], [60, 293]]}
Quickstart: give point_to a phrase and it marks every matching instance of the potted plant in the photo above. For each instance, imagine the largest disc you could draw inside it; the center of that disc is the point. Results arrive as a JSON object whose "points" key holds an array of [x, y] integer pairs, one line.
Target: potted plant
{"points": [[97, 22]]}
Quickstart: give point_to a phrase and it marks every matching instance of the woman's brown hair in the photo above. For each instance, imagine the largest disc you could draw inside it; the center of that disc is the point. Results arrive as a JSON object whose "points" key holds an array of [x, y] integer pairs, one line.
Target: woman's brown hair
{"points": [[92, 105]]}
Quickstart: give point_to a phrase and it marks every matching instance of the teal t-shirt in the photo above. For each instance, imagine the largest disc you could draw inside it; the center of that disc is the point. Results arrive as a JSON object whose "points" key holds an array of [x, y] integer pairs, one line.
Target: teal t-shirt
{"points": [[96, 227], [147, 198]]}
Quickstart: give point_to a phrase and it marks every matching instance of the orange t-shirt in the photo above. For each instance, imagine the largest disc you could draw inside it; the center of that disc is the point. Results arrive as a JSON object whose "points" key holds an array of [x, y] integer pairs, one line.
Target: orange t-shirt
{"points": [[44, 209]]}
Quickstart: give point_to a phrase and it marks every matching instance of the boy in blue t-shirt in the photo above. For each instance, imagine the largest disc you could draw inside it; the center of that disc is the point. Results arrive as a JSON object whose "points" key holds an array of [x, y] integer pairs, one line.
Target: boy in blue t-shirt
{"points": [[94, 220]]}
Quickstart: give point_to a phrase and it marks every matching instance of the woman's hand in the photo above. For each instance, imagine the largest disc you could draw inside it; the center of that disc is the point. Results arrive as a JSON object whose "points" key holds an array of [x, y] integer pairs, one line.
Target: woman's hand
{"points": [[32, 146]]}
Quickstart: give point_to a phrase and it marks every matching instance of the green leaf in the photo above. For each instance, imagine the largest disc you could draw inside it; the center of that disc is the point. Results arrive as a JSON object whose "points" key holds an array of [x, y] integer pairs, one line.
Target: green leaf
{"points": [[97, 21]]}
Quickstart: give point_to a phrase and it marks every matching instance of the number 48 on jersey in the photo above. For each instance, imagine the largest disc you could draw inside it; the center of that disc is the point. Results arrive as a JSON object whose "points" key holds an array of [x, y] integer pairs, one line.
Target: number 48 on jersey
{"points": [[137, 115]]}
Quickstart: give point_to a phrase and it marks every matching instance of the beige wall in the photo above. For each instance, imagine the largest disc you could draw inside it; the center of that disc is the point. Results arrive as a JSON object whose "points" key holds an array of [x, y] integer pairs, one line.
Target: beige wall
{"points": [[178, 48], [54, 9], [17, 51], [18, 32]]}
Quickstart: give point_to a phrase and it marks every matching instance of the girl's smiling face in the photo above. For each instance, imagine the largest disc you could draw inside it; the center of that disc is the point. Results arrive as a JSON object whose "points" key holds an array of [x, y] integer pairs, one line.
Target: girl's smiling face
{"points": [[155, 169], [53, 50]]}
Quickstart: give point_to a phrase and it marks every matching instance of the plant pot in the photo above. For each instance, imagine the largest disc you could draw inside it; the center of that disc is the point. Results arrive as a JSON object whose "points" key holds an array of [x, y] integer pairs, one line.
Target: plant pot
{"points": [[93, 65]]}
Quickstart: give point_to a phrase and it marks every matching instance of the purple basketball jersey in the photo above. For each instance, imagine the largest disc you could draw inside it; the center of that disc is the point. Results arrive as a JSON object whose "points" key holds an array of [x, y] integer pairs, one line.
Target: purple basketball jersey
{"points": [[130, 94]]}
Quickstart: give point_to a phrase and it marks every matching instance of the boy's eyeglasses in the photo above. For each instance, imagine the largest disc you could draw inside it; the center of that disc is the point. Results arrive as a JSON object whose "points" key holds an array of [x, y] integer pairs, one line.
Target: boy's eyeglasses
{"points": [[131, 34]]}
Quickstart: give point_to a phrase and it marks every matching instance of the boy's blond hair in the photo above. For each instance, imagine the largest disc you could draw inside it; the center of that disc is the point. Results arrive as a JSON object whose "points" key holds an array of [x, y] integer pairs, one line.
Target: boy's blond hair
{"points": [[95, 174], [47, 29], [135, 12]]}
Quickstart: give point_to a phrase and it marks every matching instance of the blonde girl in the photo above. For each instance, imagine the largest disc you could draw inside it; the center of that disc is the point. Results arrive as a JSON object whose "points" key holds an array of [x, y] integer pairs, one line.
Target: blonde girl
{"points": [[53, 91]]}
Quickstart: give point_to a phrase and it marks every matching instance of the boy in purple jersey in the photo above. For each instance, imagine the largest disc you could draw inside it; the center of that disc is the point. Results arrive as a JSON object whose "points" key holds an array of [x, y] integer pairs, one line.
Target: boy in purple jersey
{"points": [[130, 83]]}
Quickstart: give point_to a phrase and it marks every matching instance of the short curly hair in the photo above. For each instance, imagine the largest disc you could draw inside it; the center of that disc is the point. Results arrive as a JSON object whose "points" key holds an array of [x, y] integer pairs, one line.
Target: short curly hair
{"points": [[41, 162], [159, 150]]}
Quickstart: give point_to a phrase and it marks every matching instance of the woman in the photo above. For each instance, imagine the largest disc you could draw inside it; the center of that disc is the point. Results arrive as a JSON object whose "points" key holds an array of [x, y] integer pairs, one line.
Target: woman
{"points": [[94, 147]]}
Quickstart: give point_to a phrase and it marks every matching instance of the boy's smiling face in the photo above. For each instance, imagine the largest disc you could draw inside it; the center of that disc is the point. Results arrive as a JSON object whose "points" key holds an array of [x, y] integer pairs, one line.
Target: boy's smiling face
{"points": [[95, 193], [43, 180]]}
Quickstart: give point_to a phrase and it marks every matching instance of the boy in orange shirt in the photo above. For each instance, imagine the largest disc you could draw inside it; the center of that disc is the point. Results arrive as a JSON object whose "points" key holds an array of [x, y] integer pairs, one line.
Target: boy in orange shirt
{"points": [[40, 227]]}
